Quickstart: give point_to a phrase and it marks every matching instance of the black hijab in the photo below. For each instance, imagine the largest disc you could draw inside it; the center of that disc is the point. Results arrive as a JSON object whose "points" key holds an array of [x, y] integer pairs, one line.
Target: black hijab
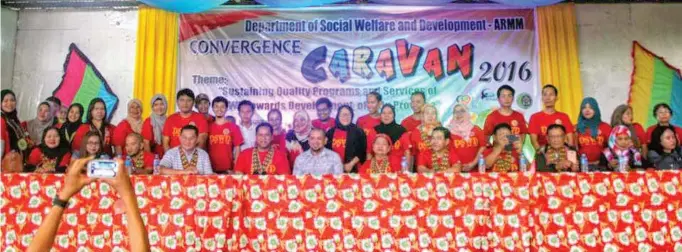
{"points": [[57, 152], [14, 129], [393, 130], [69, 128], [356, 140]]}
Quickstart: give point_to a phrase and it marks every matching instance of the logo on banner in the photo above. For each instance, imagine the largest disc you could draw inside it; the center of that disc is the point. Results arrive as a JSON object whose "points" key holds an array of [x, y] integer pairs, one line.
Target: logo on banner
{"points": [[488, 95], [464, 99], [524, 101]]}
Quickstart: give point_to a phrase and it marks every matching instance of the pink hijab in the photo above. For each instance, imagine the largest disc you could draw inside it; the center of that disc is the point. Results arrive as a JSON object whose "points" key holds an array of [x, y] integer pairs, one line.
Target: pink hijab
{"points": [[461, 127]]}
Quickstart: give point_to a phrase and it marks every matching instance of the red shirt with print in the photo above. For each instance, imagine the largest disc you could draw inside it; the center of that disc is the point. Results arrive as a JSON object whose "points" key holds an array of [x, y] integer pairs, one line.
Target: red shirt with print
{"points": [[85, 128], [651, 129], [279, 141], [326, 125], [541, 120], [120, 133], [278, 166], [592, 147], [339, 143], [393, 166], [425, 159], [397, 150], [367, 123], [36, 159], [410, 123], [222, 138], [507, 161], [467, 149], [148, 134], [175, 122], [515, 120], [418, 144]]}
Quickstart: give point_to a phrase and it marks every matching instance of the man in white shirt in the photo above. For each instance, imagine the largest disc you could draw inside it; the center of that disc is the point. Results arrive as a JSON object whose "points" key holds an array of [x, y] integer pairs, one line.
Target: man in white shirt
{"points": [[186, 158], [318, 160], [247, 126]]}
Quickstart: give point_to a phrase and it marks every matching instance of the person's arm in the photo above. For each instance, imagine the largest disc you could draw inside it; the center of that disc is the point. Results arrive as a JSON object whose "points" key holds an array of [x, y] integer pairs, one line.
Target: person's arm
{"points": [[570, 139], [74, 180], [423, 169], [492, 157], [348, 167], [166, 143], [470, 166], [137, 233], [457, 167], [147, 146], [202, 140], [235, 153], [534, 141]]}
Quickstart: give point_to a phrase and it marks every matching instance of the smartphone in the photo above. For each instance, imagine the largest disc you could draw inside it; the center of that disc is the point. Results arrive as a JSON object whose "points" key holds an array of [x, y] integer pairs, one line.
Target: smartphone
{"points": [[512, 139], [102, 168]]}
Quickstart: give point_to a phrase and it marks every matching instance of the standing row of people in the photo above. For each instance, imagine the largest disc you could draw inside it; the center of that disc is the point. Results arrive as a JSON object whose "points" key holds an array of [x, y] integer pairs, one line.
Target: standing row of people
{"points": [[189, 142]]}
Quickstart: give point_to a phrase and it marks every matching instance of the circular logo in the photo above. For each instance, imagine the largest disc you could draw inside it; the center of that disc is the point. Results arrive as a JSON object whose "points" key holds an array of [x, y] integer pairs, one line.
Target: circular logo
{"points": [[226, 132], [463, 99], [558, 121], [514, 123], [524, 100], [192, 123]]}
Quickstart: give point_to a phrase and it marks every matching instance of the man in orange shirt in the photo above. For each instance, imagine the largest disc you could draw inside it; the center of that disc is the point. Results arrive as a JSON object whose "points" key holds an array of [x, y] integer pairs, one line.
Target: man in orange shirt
{"points": [[373, 118], [505, 114], [184, 117], [263, 159], [417, 101], [548, 116]]}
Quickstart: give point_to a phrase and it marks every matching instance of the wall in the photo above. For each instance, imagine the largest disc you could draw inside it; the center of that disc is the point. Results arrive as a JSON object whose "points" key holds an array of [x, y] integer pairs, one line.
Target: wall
{"points": [[9, 32], [606, 32], [43, 38]]}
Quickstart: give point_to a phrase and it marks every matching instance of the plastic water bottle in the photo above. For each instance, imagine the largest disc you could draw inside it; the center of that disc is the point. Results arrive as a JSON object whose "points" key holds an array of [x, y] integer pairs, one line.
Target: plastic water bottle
{"points": [[523, 164], [156, 164], [404, 164], [481, 164], [129, 164], [584, 165], [622, 163]]}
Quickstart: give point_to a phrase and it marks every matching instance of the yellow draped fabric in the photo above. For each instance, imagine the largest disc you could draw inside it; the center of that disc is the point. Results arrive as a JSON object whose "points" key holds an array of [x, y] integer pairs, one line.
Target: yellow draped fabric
{"points": [[156, 57], [559, 63]]}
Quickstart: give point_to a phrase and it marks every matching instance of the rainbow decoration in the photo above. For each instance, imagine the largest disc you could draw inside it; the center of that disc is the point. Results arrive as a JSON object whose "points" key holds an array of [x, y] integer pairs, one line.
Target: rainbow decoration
{"points": [[82, 82], [653, 81]]}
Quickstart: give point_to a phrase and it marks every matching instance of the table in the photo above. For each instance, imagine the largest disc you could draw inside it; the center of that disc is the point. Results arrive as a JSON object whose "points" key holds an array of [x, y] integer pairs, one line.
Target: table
{"points": [[400, 212]]}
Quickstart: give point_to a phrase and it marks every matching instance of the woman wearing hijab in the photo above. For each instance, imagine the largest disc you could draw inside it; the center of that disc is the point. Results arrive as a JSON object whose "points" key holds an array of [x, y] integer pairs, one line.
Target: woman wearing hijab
{"points": [[620, 147], [152, 128], [468, 140], [15, 136], [400, 140], [51, 156], [96, 120], [74, 119], [43, 120], [132, 123], [622, 115], [297, 138], [592, 131], [347, 140]]}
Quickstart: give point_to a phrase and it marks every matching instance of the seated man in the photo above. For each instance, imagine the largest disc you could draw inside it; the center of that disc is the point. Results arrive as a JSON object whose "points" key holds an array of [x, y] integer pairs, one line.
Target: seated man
{"points": [[142, 161], [440, 158], [503, 156], [318, 160], [263, 159], [186, 158], [556, 156]]}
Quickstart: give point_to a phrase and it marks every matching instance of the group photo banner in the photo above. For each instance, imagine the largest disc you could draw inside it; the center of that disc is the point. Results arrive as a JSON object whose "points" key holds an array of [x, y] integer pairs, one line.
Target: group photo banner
{"points": [[287, 58]]}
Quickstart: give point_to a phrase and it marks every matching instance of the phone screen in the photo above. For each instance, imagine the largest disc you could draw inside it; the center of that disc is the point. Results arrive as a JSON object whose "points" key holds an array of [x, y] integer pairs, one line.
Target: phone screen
{"points": [[102, 169]]}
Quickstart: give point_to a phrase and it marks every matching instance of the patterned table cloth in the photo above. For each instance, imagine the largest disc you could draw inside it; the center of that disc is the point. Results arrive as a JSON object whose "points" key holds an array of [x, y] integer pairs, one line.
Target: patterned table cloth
{"points": [[638, 211]]}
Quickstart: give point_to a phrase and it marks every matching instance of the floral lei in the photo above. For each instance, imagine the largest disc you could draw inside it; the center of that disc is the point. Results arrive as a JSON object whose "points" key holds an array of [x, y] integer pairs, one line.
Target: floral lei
{"points": [[47, 165], [379, 167], [504, 164], [185, 163], [425, 137], [444, 163]]}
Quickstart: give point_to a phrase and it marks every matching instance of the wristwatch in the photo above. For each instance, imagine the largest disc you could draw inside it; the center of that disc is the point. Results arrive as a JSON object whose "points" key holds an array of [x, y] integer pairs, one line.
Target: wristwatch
{"points": [[60, 203]]}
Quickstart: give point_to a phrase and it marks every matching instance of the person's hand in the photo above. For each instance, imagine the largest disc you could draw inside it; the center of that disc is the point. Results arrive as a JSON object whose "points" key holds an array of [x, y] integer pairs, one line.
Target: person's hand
{"points": [[192, 170], [121, 183], [565, 164], [75, 178], [613, 163], [518, 146], [348, 167]]}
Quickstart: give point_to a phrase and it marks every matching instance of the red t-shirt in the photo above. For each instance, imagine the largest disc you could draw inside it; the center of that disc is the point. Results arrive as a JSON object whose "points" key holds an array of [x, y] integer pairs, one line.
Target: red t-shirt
{"points": [[367, 123], [5, 136], [148, 134], [175, 122], [339, 143], [279, 141], [84, 129], [651, 129], [36, 159], [641, 135], [397, 150], [148, 160], [279, 164], [515, 120], [410, 123], [425, 157], [502, 161], [366, 167], [541, 120], [221, 142], [416, 142], [466, 149], [592, 147], [330, 123], [120, 134]]}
